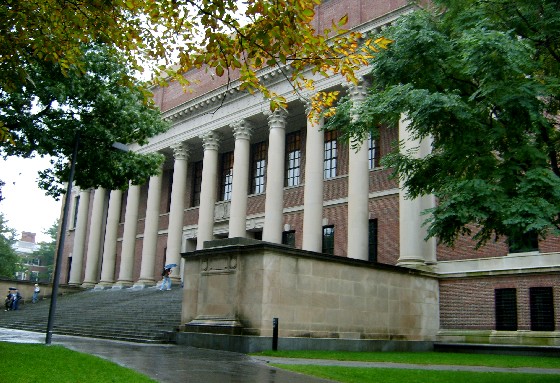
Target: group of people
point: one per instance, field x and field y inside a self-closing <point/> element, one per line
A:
<point x="12" y="299"/>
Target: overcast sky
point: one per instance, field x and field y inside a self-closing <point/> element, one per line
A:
<point x="25" y="206"/>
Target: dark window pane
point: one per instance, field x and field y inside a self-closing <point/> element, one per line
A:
<point x="328" y="239"/>
<point x="197" y="183"/>
<point x="542" y="309"/>
<point x="506" y="309"/>
<point x="523" y="242"/>
<point x="372" y="237"/>
<point x="289" y="238"/>
<point x="76" y="206"/>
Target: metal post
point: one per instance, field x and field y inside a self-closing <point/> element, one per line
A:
<point x="61" y="237"/>
<point x="274" y="334"/>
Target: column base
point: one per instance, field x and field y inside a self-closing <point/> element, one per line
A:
<point x="121" y="285"/>
<point x="88" y="285"/>
<point x="144" y="284"/>
<point x="103" y="286"/>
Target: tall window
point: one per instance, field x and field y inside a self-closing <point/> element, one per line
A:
<point x="76" y="206"/>
<point x="289" y="238"/>
<point x="542" y="308"/>
<point x="330" y="155"/>
<point x="373" y="153"/>
<point x="259" y="167"/>
<point x="293" y="158"/>
<point x="169" y="189"/>
<point x="328" y="240"/>
<point x="372" y="240"/>
<point x="197" y="183"/>
<point x="226" y="176"/>
<point x="506" y="309"/>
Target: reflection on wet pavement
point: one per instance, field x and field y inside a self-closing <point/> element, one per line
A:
<point x="170" y="363"/>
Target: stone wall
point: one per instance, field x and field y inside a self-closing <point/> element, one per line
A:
<point x="240" y="287"/>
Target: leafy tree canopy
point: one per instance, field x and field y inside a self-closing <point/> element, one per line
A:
<point x="222" y="36"/>
<point x="99" y="105"/>
<point x="481" y="78"/>
<point x="8" y="257"/>
<point x="46" y="251"/>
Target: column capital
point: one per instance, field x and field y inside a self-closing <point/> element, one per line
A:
<point x="357" y="92"/>
<point x="277" y="118"/>
<point x="180" y="151"/>
<point x="242" y="129"/>
<point x="211" y="140"/>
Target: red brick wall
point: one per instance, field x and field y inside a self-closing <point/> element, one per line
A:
<point x="359" y="11"/>
<point x="468" y="304"/>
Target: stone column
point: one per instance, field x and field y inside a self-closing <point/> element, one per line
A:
<point x="110" y="244"/>
<point x="129" y="238"/>
<point x="205" y="232"/>
<point x="274" y="203"/>
<point x="238" y="210"/>
<point x="414" y="250"/>
<point x="358" y="186"/>
<point x="177" y="208"/>
<point x="79" y="240"/>
<point x="94" y="241"/>
<point x="151" y="226"/>
<point x="313" y="188"/>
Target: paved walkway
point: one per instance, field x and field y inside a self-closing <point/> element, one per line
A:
<point x="181" y="364"/>
<point x="170" y="363"/>
<point x="432" y="367"/>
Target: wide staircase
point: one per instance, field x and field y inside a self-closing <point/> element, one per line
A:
<point x="137" y="315"/>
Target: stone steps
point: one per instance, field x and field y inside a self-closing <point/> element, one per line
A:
<point x="146" y="315"/>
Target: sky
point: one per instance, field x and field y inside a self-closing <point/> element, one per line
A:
<point x="25" y="206"/>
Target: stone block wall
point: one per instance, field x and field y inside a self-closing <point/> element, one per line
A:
<point x="312" y="295"/>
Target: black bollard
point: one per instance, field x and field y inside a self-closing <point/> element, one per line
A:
<point x="274" y="334"/>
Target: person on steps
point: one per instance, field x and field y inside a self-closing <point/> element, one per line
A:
<point x="36" y="291"/>
<point x="166" y="280"/>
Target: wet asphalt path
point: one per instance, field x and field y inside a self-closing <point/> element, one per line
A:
<point x="171" y="363"/>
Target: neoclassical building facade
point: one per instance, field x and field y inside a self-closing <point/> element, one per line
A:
<point x="235" y="169"/>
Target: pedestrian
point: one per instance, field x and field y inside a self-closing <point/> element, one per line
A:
<point x="8" y="301"/>
<point x="36" y="292"/>
<point x="16" y="297"/>
<point x="166" y="280"/>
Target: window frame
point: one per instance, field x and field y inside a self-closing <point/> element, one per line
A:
<point x="506" y="312"/>
<point x="197" y="184"/>
<point x="226" y="176"/>
<point x="374" y="156"/>
<point x="330" y="154"/>
<point x="293" y="159"/>
<point x="541" y="304"/>
<point x="327" y="243"/>
<point x="258" y="167"/>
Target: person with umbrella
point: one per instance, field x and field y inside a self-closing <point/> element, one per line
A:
<point x="166" y="283"/>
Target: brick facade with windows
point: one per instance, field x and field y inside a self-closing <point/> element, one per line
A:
<point x="469" y="277"/>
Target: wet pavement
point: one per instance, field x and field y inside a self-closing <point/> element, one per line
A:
<point x="170" y="363"/>
<point x="182" y="364"/>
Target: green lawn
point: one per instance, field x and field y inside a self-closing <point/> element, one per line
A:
<point x="386" y="375"/>
<point x="37" y="363"/>
<point x="490" y="360"/>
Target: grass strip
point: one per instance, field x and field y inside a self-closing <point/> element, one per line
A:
<point x="388" y="375"/>
<point x="443" y="358"/>
<point x="37" y="363"/>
